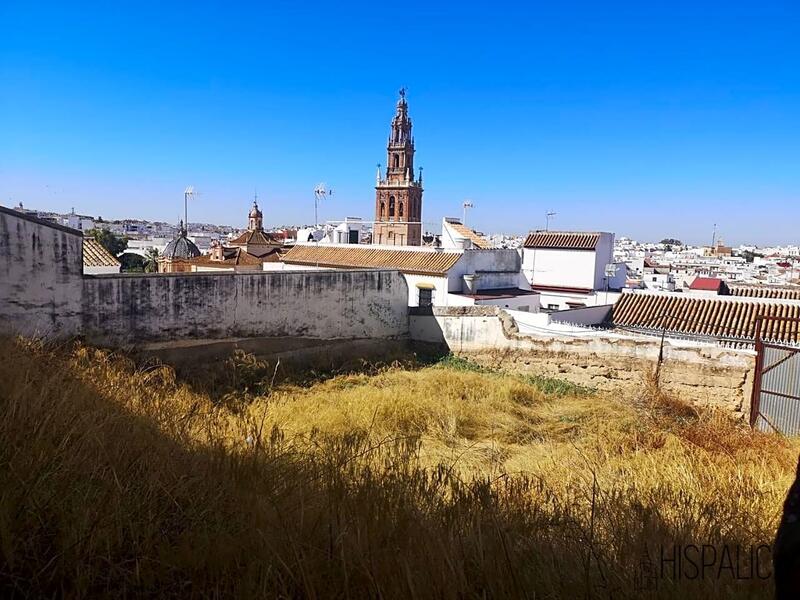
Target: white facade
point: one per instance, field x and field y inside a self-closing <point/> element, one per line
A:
<point x="572" y="268"/>
<point x="490" y="269"/>
<point x="105" y="270"/>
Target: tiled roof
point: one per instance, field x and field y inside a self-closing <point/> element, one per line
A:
<point x="95" y="254"/>
<point x="562" y="240"/>
<point x="763" y="291"/>
<point x="707" y="284"/>
<point x="354" y="257"/>
<point x="703" y="316"/>
<point x="233" y="257"/>
<point x="256" y="237"/>
<point x="464" y="231"/>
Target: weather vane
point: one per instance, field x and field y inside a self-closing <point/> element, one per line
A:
<point x="403" y="92"/>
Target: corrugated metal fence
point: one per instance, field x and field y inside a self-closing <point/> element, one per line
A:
<point x="776" y="389"/>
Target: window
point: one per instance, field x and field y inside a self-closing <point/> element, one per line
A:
<point x="383" y="209"/>
<point x="391" y="206"/>
<point x="396" y="161"/>
<point x="552" y="307"/>
<point x="426" y="297"/>
<point x="400" y="211"/>
<point x="655" y="278"/>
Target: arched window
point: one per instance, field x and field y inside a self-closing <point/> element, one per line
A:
<point x="396" y="161"/>
<point x="391" y="206"/>
<point x="383" y="209"/>
<point x="400" y="209"/>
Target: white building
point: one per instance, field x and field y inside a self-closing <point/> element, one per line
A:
<point x="458" y="236"/>
<point x="97" y="260"/>
<point x="435" y="276"/>
<point x="572" y="269"/>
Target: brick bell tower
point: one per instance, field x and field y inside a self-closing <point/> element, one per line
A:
<point x="398" y="195"/>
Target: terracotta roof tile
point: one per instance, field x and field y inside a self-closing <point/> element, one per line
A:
<point x="703" y="316"/>
<point x="355" y="257"/>
<point x="256" y="237"/>
<point x="95" y="254"/>
<point x="477" y="240"/>
<point x="763" y="291"/>
<point x="233" y="257"/>
<point x="562" y="240"/>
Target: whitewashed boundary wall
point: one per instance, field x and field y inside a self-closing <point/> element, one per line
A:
<point x="43" y="292"/>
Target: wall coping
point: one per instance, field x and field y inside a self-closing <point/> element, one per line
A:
<point x="328" y="272"/>
<point x="26" y="217"/>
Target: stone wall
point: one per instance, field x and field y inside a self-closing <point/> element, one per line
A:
<point x="43" y="292"/>
<point x="707" y="375"/>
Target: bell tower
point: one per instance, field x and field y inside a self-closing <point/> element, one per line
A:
<point x="398" y="193"/>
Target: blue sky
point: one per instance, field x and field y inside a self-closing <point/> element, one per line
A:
<point x="650" y="119"/>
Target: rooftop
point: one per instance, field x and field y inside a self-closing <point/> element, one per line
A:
<point x="95" y="255"/>
<point x="355" y="256"/>
<point x="764" y="291"/>
<point x="708" y="284"/>
<point x="498" y="294"/>
<point x="713" y="317"/>
<point x="470" y="234"/>
<point x="563" y="240"/>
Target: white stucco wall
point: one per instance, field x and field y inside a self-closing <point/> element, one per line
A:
<point x="559" y="268"/>
<point x="100" y="270"/>
<point x="570" y="268"/>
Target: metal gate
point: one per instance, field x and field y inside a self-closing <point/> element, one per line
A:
<point x="775" y="404"/>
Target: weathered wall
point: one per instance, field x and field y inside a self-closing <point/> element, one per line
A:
<point x="319" y="304"/>
<point x="43" y="292"/>
<point x="41" y="276"/>
<point x="707" y="375"/>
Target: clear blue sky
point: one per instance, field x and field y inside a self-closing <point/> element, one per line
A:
<point x="649" y="119"/>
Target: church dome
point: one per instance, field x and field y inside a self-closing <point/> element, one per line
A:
<point x="255" y="213"/>
<point x="181" y="247"/>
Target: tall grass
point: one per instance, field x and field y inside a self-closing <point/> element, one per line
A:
<point x="116" y="479"/>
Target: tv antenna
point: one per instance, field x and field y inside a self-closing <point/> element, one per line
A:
<point x="187" y="193"/>
<point x="548" y="216"/>
<point x="466" y="206"/>
<point x="320" y="193"/>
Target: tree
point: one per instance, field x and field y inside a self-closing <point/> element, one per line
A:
<point x="115" y="244"/>
<point x="151" y="261"/>
<point x="132" y="263"/>
<point x="671" y="242"/>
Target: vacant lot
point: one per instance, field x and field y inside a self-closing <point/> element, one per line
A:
<point x="438" y="480"/>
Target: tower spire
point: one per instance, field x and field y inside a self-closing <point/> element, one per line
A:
<point x="398" y="201"/>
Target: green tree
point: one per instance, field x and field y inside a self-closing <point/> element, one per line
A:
<point x="115" y="244"/>
<point x="151" y="261"/>
<point x="132" y="263"/>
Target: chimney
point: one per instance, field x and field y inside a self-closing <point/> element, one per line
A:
<point x="471" y="283"/>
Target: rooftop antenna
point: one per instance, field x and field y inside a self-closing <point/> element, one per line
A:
<point x="466" y="205"/>
<point x="714" y="236"/>
<point x="547" y="218"/>
<point x="187" y="193"/>
<point x="320" y="193"/>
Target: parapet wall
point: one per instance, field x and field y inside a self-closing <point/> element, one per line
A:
<point x="44" y="293"/>
<point x="707" y="375"/>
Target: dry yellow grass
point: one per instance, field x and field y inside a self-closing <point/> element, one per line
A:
<point x="442" y="481"/>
